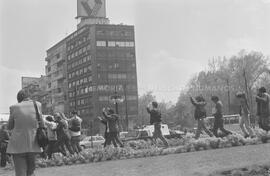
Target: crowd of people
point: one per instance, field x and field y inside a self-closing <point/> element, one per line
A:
<point x="263" y="113"/>
<point x="18" y="136"/>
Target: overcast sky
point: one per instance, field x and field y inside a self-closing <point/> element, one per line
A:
<point x="174" y="38"/>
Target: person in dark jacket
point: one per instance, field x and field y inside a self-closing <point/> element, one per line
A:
<point x="63" y="137"/>
<point x="106" y="135"/>
<point x="4" y="137"/>
<point x="200" y="115"/>
<point x="263" y="113"/>
<point x="155" y="119"/>
<point x="112" y="127"/>
<point x="218" y="123"/>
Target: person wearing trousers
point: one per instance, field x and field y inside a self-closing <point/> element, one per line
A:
<point x="155" y="119"/>
<point x="218" y="123"/>
<point x="263" y="112"/>
<point x="199" y="115"/>
<point x="23" y="125"/>
<point x="112" y="127"/>
<point x="4" y="137"/>
<point x="245" y="116"/>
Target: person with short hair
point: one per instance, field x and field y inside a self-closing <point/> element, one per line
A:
<point x="112" y="127"/>
<point x="218" y="123"/>
<point x="23" y="124"/>
<point x="51" y="126"/>
<point x="245" y="115"/>
<point x="199" y="115"/>
<point x="63" y="136"/>
<point x="75" y="131"/>
<point x="155" y="119"/>
<point x="263" y="111"/>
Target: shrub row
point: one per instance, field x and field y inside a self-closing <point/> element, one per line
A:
<point x="139" y="149"/>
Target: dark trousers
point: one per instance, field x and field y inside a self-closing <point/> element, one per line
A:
<point x="3" y="152"/>
<point x="3" y="159"/>
<point x="264" y="123"/>
<point x="218" y="124"/>
<point x="106" y="136"/>
<point x="51" y="148"/>
<point x="113" y="138"/>
<point x="75" y="143"/>
<point x="158" y="133"/>
<point x="201" y="127"/>
<point x="24" y="164"/>
<point x="63" y="144"/>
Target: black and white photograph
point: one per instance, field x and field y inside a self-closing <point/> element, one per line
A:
<point x="135" y="87"/>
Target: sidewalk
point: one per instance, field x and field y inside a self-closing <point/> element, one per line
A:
<point x="185" y="164"/>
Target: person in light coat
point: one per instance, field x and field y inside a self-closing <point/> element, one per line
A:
<point x="23" y="125"/>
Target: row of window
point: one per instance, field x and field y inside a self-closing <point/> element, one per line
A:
<point x="114" y="66"/>
<point x="115" y="55"/>
<point x="77" y="43"/>
<point x="80" y="82"/>
<point x="80" y="72"/>
<point x="75" y="34"/>
<point x="78" y="52"/>
<point x="115" y="33"/>
<point x="115" y="43"/>
<point x="101" y="88"/>
<point x="79" y="62"/>
<point x="81" y="102"/>
<point x="107" y="98"/>
<point x="117" y="76"/>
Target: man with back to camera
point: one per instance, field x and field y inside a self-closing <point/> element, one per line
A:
<point x="155" y="119"/>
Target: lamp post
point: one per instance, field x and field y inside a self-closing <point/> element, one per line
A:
<point x="115" y="98"/>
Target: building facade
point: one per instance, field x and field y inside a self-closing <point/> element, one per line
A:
<point x="56" y="71"/>
<point x="36" y="88"/>
<point x="101" y="62"/>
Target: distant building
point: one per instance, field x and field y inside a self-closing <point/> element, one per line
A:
<point x="36" y="88"/>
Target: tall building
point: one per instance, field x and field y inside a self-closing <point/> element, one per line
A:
<point x="91" y="66"/>
<point x="56" y="71"/>
<point x="102" y="63"/>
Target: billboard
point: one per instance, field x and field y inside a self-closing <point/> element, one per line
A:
<point x="91" y="8"/>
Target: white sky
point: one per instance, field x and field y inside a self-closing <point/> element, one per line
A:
<point x="174" y="38"/>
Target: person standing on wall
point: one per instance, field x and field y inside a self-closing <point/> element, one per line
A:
<point x="155" y="119"/>
<point x="199" y="115"/>
<point x="23" y="125"/>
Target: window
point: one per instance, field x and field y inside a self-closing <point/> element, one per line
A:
<point x="49" y="85"/>
<point x="111" y="43"/>
<point x="58" y="56"/>
<point x="49" y="69"/>
<point x="103" y="98"/>
<point x="101" y="43"/>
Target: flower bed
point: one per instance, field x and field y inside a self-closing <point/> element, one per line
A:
<point x="139" y="149"/>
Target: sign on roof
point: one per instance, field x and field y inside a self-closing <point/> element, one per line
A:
<point x="91" y="8"/>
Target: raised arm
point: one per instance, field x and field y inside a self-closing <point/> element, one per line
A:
<point x="196" y="103"/>
<point x="261" y="99"/>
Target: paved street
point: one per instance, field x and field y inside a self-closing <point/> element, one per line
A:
<point x="196" y="163"/>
